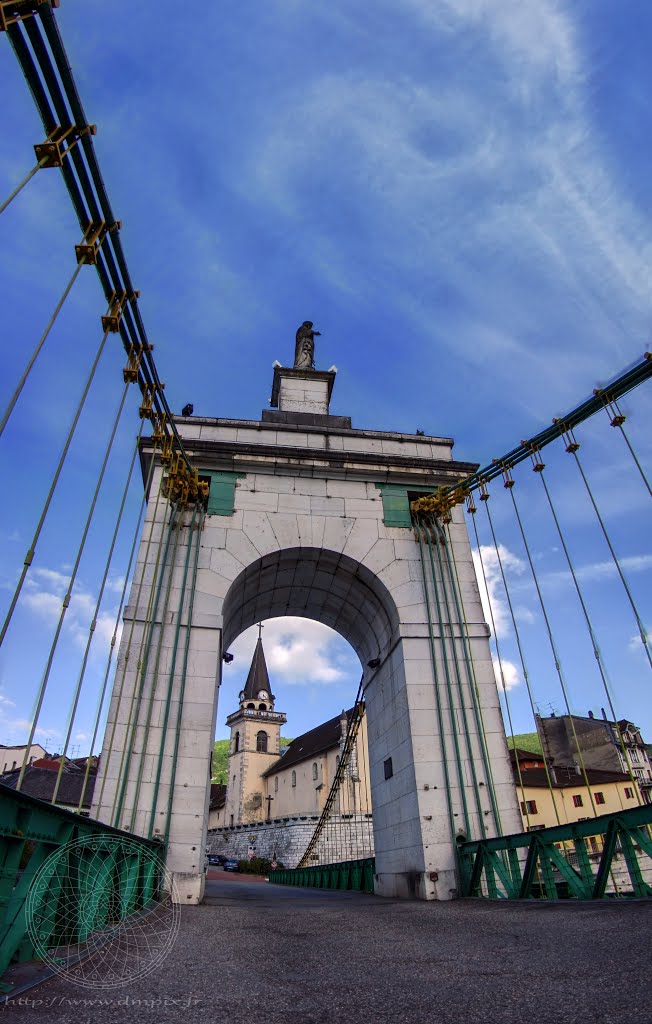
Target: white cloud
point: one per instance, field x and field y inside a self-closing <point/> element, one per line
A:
<point x="635" y="644"/>
<point x="506" y="672"/>
<point x="43" y="595"/>
<point x="596" y="572"/>
<point x="492" y="595"/>
<point x="298" y="651"/>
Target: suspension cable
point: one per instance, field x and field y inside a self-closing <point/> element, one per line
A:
<point x="173" y="664"/>
<point x="71" y="582"/>
<point x="26" y="372"/>
<point x="143" y="647"/>
<point x="96" y="611"/>
<point x="494" y="632"/>
<point x="32" y="549"/>
<point x="109" y="745"/>
<point x="112" y="645"/>
<point x="19" y="188"/>
<point x="538" y="468"/>
<point x="141" y="670"/>
<point x="433" y="659"/>
<point x="177" y="527"/>
<point x="182" y="686"/>
<point x="449" y="688"/>
<point x="571" y="448"/>
<point x="617" y="419"/>
<point x="437" y="541"/>
<point x="553" y="646"/>
<point x="471" y="676"/>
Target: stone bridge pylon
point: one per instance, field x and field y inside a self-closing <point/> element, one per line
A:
<point x="307" y="516"/>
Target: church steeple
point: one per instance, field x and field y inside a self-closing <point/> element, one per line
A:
<point x="257" y="686"/>
<point x="255" y="744"/>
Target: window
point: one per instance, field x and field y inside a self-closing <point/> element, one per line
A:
<point x="577" y="800"/>
<point x="251" y="707"/>
<point x="231" y="821"/>
<point x="261" y="742"/>
<point x="388" y="768"/>
<point x="528" y="807"/>
<point x="314" y="770"/>
<point x="262" y="707"/>
<point x="236" y="743"/>
<point x="234" y="780"/>
<point x="633" y="753"/>
<point x="276" y="783"/>
<point x="599" y="798"/>
<point x="629" y="793"/>
<point x="534" y="828"/>
<point x="294" y="778"/>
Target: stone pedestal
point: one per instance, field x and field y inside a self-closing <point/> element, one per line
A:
<point x="302" y="391"/>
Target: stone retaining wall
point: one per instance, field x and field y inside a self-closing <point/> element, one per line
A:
<point x="286" y="840"/>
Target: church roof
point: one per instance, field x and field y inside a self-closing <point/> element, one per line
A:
<point x="316" y="741"/>
<point x="258" y="678"/>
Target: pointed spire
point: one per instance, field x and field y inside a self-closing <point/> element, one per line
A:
<point x="258" y="678"/>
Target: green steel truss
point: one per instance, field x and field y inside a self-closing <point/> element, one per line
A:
<point x="356" y="875"/>
<point x="127" y="873"/>
<point x="601" y="857"/>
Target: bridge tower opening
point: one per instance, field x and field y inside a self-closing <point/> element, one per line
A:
<point x="308" y="516"/>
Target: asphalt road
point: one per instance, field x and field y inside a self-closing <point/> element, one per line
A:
<point x="264" y="954"/>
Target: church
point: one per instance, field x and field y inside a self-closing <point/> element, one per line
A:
<point x="275" y="795"/>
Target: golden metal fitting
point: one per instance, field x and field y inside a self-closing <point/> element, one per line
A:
<point x="572" y="445"/>
<point x="182" y="485"/>
<point x="145" y="411"/>
<point x="111" y="321"/>
<point x="130" y="372"/>
<point x="87" y="250"/>
<point x="535" y="455"/>
<point x="59" y="143"/>
<point x="12" y="11"/>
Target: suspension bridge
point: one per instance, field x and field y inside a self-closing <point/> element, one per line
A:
<point x="302" y="514"/>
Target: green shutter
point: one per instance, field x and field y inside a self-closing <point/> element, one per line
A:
<point x="221" y="497"/>
<point x="396" y="506"/>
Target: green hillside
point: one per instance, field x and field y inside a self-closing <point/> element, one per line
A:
<point x="221" y="758"/>
<point x="526" y="741"/>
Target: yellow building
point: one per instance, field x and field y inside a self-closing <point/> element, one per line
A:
<point x="560" y="794"/>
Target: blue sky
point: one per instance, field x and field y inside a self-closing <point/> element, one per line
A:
<point x="457" y="192"/>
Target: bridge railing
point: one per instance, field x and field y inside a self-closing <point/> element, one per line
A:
<point x="354" y="875"/>
<point x="101" y="878"/>
<point x="608" y="856"/>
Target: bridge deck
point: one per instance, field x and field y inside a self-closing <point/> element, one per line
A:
<point x="254" y="952"/>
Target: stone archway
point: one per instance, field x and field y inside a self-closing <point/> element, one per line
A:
<point x="307" y="516"/>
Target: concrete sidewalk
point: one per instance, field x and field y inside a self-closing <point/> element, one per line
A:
<point x="267" y="954"/>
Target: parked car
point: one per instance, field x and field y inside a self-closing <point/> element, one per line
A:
<point x="231" y="865"/>
<point x="216" y="858"/>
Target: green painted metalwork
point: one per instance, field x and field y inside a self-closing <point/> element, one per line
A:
<point x="556" y="863"/>
<point x="355" y="875"/>
<point x="221" y="496"/>
<point x="30" y="830"/>
<point x="396" y="505"/>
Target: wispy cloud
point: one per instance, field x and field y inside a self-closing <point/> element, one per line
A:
<point x="507" y="674"/>
<point x="492" y="590"/>
<point x="299" y="652"/>
<point x="43" y="595"/>
<point x="597" y="572"/>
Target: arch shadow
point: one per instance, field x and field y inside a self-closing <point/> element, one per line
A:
<point x="315" y="583"/>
